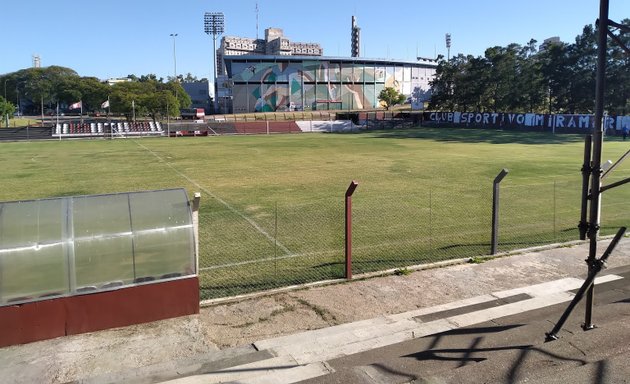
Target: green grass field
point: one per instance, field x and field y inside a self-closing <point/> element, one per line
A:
<point x="272" y="206"/>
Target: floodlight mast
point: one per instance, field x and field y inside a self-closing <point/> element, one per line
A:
<point x="214" y="24"/>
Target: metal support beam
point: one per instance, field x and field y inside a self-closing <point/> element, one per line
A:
<point x="596" y="172"/>
<point x="612" y="167"/>
<point x="597" y="266"/>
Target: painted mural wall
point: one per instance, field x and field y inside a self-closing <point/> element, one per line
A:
<point x="315" y="85"/>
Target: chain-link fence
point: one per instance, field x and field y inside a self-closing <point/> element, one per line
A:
<point x="280" y="244"/>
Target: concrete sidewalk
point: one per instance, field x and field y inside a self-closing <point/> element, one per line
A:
<point x="293" y="336"/>
<point x="306" y="355"/>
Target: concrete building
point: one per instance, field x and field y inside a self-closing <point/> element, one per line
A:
<point x="256" y="83"/>
<point x="274" y="43"/>
<point x="199" y="93"/>
<point x="549" y="42"/>
<point x="113" y="80"/>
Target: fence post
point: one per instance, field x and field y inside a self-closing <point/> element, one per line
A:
<point x="353" y="185"/>
<point x="195" y="219"/>
<point x="495" y="210"/>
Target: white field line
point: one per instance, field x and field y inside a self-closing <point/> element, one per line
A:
<point x="271" y="239"/>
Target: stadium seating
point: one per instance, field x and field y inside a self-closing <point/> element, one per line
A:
<point x="101" y="129"/>
<point x="328" y="126"/>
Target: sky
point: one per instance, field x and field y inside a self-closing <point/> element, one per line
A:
<point x="115" y="38"/>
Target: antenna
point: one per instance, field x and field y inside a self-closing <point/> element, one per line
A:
<point x="256" y="20"/>
<point x="37" y="61"/>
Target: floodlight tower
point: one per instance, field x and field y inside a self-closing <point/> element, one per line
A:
<point x="448" y="47"/>
<point x="356" y="38"/>
<point x="214" y="24"/>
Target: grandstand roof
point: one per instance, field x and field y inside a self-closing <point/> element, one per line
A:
<point x="355" y="60"/>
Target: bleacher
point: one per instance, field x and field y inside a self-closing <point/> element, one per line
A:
<point x="113" y="129"/>
<point x="328" y="126"/>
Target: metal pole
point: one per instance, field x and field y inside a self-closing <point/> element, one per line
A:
<point x="495" y="210"/>
<point x="6" y="101"/>
<point x="593" y="230"/>
<point x="195" y="218"/>
<point x="348" y="246"/>
<point x="586" y="172"/>
<point x="598" y="265"/>
<point x="174" y="35"/>
<point x="168" y="120"/>
<point x="214" y="73"/>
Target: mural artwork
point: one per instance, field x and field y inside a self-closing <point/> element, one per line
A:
<point x="314" y="85"/>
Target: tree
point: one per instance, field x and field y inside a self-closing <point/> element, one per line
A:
<point x="6" y="109"/>
<point x="583" y="67"/>
<point x="558" y="78"/>
<point x="148" y="97"/>
<point x="94" y="93"/>
<point x="554" y="61"/>
<point x="618" y="76"/>
<point x="390" y="97"/>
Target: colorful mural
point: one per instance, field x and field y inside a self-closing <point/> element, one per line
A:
<point x="262" y="84"/>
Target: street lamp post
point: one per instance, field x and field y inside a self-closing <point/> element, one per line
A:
<point x="175" y="79"/>
<point x="214" y="24"/>
<point x="174" y="35"/>
<point x="5" y="100"/>
<point x="17" y="100"/>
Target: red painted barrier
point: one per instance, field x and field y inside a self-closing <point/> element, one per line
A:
<point x="25" y="323"/>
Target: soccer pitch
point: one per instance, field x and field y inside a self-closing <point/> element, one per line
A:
<point x="272" y="205"/>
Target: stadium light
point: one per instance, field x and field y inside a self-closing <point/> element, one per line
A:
<point x="214" y="24"/>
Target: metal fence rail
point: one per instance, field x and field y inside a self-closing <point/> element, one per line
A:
<point x="265" y="247"/>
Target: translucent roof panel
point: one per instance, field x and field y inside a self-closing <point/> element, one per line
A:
<point x="162" y="227"/>
<point x="82" y="244"/>
<point x="32" y="257"/>
<point x="103" y="240"/>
